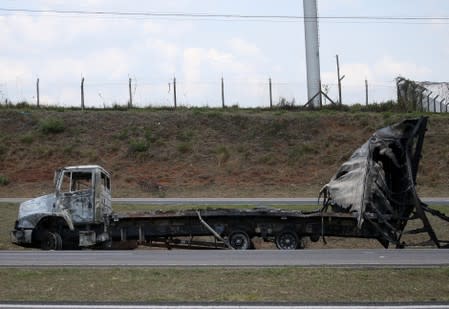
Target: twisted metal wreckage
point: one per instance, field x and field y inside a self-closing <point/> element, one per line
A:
<point x="378" y="181"/>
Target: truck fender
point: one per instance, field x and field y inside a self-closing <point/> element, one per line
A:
<point x="55" y="216"/>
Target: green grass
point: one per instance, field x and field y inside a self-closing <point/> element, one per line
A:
<point x="8" y="215"/>
<point x="51" y="126"/>
<point x="4" y="181"/>
<point x="138" y="146"/>
<point x="287" y="284"/>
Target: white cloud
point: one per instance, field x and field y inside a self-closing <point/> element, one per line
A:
<point x="13" y="69"/>
<point x="192" y="64"/>
<point x="243" y="47"/>
<point x="384" y="69"/>
<point x="336" y="5"/>
<point x="108" y="64"/>
<point x="392" y="68"/>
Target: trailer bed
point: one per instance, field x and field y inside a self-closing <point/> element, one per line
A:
<point x="286" y="228"/>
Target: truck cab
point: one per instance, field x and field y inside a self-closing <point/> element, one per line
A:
<point x="74" y="215"/>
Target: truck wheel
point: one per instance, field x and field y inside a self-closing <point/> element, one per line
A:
<point x="51" y="241"/>
<point x="239" y="240"/>
<point x="287" y="240"/>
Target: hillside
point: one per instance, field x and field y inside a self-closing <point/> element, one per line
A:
<point x="200" y="152"/>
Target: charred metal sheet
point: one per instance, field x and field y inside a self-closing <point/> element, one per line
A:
<point x="30" y="212"/>
<point x="377" y="184"/>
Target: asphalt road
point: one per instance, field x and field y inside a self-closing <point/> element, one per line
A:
<point x="220" y="306"/>
<point x="227" y="201"/>
<point x="228" y="258"/>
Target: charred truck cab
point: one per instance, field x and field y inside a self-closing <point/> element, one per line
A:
<point x="77" y="212"/>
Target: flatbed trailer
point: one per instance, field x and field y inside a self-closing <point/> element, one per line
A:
<point x="235" y="228"/>
<point x="371" y="196"/>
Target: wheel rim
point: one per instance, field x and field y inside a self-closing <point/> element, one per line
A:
<point x="52" y="241"/>
<point x="287" y="241"/>
<point x="239" y="241"/>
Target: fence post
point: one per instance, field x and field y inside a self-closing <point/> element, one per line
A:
<point x="428" y="102"/>
<point x="366" y="92"/>
<point x="37" y="93"/>
<point x="222" y="93"/>
<point x="82" y="93"/>
<point x="421" y="100"/>
<point x="130" y="102"/>
<point x="435" y="103"/>
<point x="339" y="81"/>
<point x="174" y="92"/>
<point x="271" y="93"/>
<point x="441" y="105"/>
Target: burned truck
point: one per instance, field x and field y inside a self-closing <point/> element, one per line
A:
<point x="371" y="196"/>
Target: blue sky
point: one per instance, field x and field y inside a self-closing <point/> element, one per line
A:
<point x="106" y="51"/>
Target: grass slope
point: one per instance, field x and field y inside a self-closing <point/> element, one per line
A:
<point x="200" y="152"/>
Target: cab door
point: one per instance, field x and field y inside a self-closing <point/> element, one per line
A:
<point x="103" y="202"/>
<point x="76" y="195"/>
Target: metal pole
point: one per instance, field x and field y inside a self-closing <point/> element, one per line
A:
<point x="271" y="94"/>
<point x="222" y="93"/>
<point x="312" y="52"/>
<point x="82" y="93"/>
<point x="428" y="102"/>
<point x="174" y="92"/>
<point x="421" y="96"/>
<point x="366" y="92"/>
<point x="37" y="92"/>
<point x="435" y="104"/>
<point x="339" y="80"/>
<point x="441" y="105"/>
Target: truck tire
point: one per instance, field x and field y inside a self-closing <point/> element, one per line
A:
<point x="287" y="240"/>
<point x="239" y="240"/>
<point x="51" y="241"/>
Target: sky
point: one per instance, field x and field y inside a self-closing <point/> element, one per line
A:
<point x="107" y="50"/>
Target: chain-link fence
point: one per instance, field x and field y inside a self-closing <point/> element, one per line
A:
<point x="246" y="93"/>
<point x="423" y="96"/>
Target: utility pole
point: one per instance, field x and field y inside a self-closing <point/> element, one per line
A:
<point x="339" y="80"/>
<point x="312" y="52"/>
<point x="130" y="103"/>
<point x="37" y="92"/>
<point x="366" y="92"/>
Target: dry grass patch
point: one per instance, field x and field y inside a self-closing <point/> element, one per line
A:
<point x="217" y="284"/>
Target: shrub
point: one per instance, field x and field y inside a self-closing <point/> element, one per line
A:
<point x="184" y="147"/>
<point x="27" y="138"/>
<point x="138" y="146"/>
<point x="4" y="181"/>
<point x="122" y="135"/>
<point x="185" y="136"/>
<point x="223" y="154"/>
<point x="3" y="150"/>
<point x="51" y="126"/>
